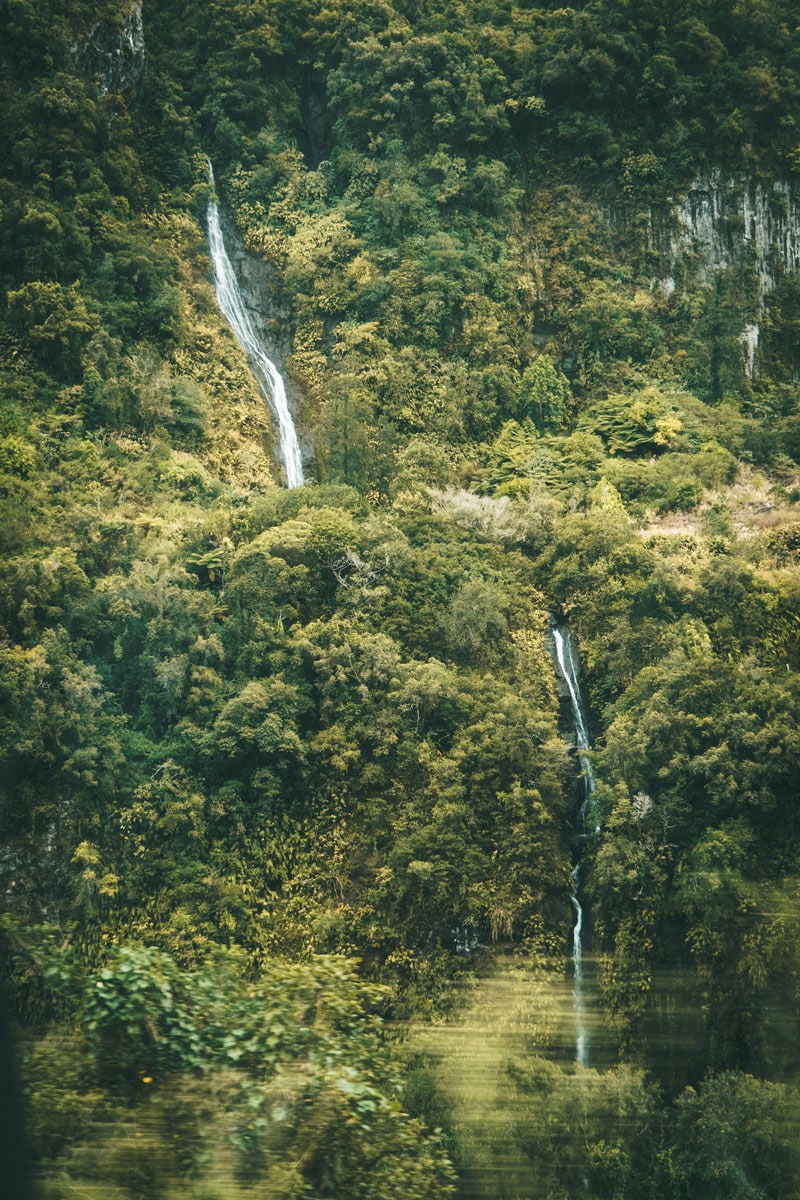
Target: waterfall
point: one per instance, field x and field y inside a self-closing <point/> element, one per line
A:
<point x="565" y="657"/>
<point x="581" y="1037"/>
<point x="268" y="377"/>
<point x="749" y="339"/>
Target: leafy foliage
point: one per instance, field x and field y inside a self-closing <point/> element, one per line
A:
<point x="282" y="1082"/>
<point x="266" y="753"/>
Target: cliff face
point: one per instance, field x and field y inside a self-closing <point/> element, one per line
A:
<point x="729" y="221"/>
<point x="271" y="319"/>
<point x="115" y="52"/>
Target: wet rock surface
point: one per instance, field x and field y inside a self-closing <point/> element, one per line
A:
<point x="114" y="52"/>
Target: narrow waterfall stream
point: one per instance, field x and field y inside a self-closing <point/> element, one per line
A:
<point x="270" y="381"/>
<point x="520" y="1060"/>
<point x="565" y="657"/>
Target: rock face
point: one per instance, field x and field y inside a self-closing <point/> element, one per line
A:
<point x="114" y="51"/>
<point x="724" y="222"/>
<point x="257" y="282"/>
<point x="272" y="321"/>
<point x="727" y="221"/>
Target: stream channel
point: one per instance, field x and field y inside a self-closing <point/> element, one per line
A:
<point x="516" y="1066"/>
<point x="568" y="667"/>
<point x="526" y="1071"/>
<point x="270" y="381"/>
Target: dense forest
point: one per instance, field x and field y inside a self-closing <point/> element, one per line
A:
<point x="289" y="797"/>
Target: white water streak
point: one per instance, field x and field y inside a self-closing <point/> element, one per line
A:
<point x="566" y="661"/>
<point x="267" y="375"/>
<point x="565" y="657"/>
<point x="581" y="1035"/>
<point x="749" y="339"/>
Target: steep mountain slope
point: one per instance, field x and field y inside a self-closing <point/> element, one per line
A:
<point x="281" y="765"/>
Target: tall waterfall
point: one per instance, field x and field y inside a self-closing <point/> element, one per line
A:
<point x="270" y="381"/>
<point x="565" y="657"/>
<point x="568" y="666"/>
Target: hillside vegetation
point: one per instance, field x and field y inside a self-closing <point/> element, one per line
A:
<point x="279" y="767"/>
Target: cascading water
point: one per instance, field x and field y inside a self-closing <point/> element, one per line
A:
<point x="565" y="657"/>
<point x="581" y="1041"/>
<point x="270" y="381"/>
<point x="749" y="339"/>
